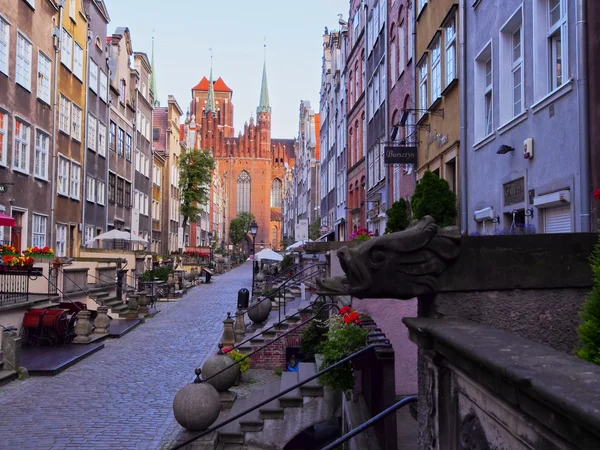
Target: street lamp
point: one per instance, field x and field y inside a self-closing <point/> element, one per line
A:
<point x="210" y="237"/>
<point x="253" y="232"/>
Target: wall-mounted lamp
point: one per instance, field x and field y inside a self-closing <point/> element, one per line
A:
<point x="503" y="149"/>
<point x="529" y="212"/>
<point x="496" y="219"/>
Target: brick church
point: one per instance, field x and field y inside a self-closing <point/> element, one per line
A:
<point x="251" y="166"/>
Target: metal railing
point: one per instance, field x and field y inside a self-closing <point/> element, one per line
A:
<point x="14" y="286"/>
<point x="276" y="396"/>
<point x="373" y="420"/>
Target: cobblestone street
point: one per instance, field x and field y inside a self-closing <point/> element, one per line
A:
<point x="121" y="397"/>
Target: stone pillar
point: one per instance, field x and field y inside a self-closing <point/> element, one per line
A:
<point x="228" y="337"/>
<point x="102" y="322"/>
<point x="11" y="349"/>
<point x="83" y="328"/>
<point x="120" y="275"/>
<point x="132" y="304"/>
<point x="143" y="304"/>
<point x="239" y="328"/>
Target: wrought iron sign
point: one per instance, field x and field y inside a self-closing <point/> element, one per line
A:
<point x="400" y="154"/>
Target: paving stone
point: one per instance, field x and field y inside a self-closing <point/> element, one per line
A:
<point x="121" y="397"/>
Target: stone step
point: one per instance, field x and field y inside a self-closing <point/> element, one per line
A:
<point x="118" y="307"/>
<point x="252" y="421"/>
<point x="101" y="294"/>
<point x="6" y="376"/>
<point x="111" y="301"/>
<point x="257" y="339"/>
<point x="311" y="388"/>
<point x="246" y="348"/>
<point x="232" y="432"/>
<point x="293" y="398"/>
<point x="273" y="409"/>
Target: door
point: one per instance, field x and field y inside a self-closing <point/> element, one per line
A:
<point x="16" y="238"/>
<point x="558" y="220"/>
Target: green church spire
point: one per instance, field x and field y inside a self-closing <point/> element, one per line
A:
<point x="210" y="102"/>
<point x="263" y="106"/>
<point x="153" y="79"/>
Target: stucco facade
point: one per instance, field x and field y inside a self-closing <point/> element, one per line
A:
<point x="26" y="113"/>
<point x="593" y="50"/>
<point x="523" y="161"/>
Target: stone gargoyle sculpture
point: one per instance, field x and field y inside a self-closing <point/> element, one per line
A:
<point x="401" y="265"/>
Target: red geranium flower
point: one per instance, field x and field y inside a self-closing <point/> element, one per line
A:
<point x="597" y="194"/>
<point x="345" y="310"/>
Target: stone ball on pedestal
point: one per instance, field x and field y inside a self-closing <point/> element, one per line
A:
<point x="226" y="378"/>
<point x="259" y="311"/>
<point x="197" y="405"/>
<point x="260" y="277"/>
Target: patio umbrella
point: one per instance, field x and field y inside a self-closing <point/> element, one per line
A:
<point x="269" y="254"/>
<point x="297" y="245"/>
<point x="7" y="221"/>
<point x="114" y="235"/>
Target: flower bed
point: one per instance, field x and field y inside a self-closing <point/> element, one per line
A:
<point x="10" y="263"/>
<point x="39" y="252"/>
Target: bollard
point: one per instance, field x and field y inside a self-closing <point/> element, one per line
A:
<point x="102" y="322"/>
<point x="83" y="328"/>
<point x="228" y="337"/>
<point x="243" y="298"/>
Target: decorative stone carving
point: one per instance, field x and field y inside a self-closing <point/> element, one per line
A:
<point x="401" y="265"/>
<point x="228" y="337"/>
<point x="143" y="304"/>
<point x="259" y="311"/>
<point x="197" y="405"/>
<point x="83" y="328"/>
<point x="221" y="371"/>
<point x="472" y="436"/>
<point x="239" y="327"/>
<point x="102" y="322"/>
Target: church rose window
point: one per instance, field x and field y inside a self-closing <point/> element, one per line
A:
<point x="243" y="192"/>
<point x="276" y="193"/>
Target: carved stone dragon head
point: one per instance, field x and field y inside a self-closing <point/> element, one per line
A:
<point x="399" y="265"/>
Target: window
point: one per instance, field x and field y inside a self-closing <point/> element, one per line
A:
<point x="75" y="180"/>
<point x="112" y="179"/>
<point x="436" y="71"/>
<point x="23" y="62"/>
<point x="243" y="192"/>
<point x="420" y="5"/>
<point x="517" y="73"/>
<point x="63" y="175"/>
<point x="128" y="147"/>
<point x="122" y="91"/>
<point x="112" y="143"/>
<point x="4" y="45"/>
<point x="72" y="8"/>
<point x="77" y="61"/>
<point x="93" y="76"/>
<point x="101" y="139"/>
<point x="276" y="193"/>
<point x="44" y="77"/>
<point x="60" y="249"/>
<point x="483" y="101"/>
<point x="38" y="235"/>
<point x="42" y="144"/>
<point x="3" y="137"/>
<point x="120" y="184"/>
<point x="127" y="198"/>
<point x="423" y="86"/>
<point x="401" y="49"/>
<point x="489" y="124"/>
<point x="557" y="36"/>
<point x="450" y="31"/>
<point x="92" y="132"/>
<point x="120" y="143"/>
<point x="76" y="129"/>
<point x="100" y="192"/>
<point x="91" y="189"/>
<point x="510" y="68"/>
<point x="89" y="235"/>
<point x="64" y="122"/>
<point x="103" y="86"/>
<point x="66" y="49"/>
<point x="21" y="149"/>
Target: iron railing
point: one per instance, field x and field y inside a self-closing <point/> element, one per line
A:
<point x="14" y="285"/>
<point x="276" y="396"/>
<point x="372" y="421"/>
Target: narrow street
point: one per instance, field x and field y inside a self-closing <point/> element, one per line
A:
<point x="121" y="397"/>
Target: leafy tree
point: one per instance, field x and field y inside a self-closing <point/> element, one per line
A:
<point x="239" y="227"/>
<point x="314" y="229"/>
<point x="398" y="216"/>
<point x="434" y="198"/>
<point x="589" y="330"/>
<point x="195" y="171"/>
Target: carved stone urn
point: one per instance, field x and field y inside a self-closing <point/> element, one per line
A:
<point x="143" y="304"/>
<point x="259" y="311"/>
<point x="83" y="328"/>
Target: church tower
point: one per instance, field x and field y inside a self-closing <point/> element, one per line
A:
<point x="263" y="118"/>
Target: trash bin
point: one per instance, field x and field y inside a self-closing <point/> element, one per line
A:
<point x="243" y="298"/>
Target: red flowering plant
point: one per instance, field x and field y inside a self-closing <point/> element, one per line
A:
<point x="17" y="261"/>
<point x="39" y="251"/>
<point x="244" y="364"/>
<point x="362" y="234"/>
<point x="9" y="250"/>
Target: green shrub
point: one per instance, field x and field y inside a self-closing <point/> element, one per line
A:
<point x="312" y="337"/>
<point x="398" y="217"/>
<point x="434" y="198"/>
<point x="589" y="330"/>
<point x="278" y="371"/>
<point x="244" y="364"/>
<point x="288" y="261"/>
<point x="161" y="274"/>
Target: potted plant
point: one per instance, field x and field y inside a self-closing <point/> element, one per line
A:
<point x="10" y="263"/>
<point x="244" y="363"/>
<point x="39" y="252"/>
<point x="362" y="234"/>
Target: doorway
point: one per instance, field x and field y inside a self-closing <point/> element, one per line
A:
<point x="16" y="234"/>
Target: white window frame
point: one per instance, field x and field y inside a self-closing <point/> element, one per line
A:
<point x="44" y="77"/>
<point x="103" y="89"/>
<point x="72" y="8"/>
<point x="77" y="60"/>
<point x="450" y="45"/>
<point x="100" y="192"/>
<point x="420" y="5"/>
<point x="4" y="45"/>
<point x="101" y="139"/>
<point x="39" y="226"/>
<point x="22" y="146"/>
<point x="64" y="123"/>
<point x="436" y="70"/>
<point x="89" y="234"/>
<point x="66" y="49"/>
<point x="4" y="136"/>
<point x="90" y="194"/>
<point x="76" y="128"/>
<point x="75" y="181"/>
<point x="93" y="82"/>
<point x="509" y="67"/>
<point x="482" y="90"/>
<point x="63" y="176"/>
<point x="42" y="150"/>
<point x="401" y="49"/>
<point x="422" y="71"/>
<point x="92" y="132"/>
<point x="24" y="61"/>
<point x="60" y="248"/>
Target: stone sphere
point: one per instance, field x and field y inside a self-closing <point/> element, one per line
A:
<point x="196" y="406"/>
<point x="225" y="379"/>
<point x="260" y="276"/>
<point x="260" y="313"/>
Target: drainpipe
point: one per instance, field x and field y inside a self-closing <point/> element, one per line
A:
<point x="134" y="149"/>
<point x="464" y="227"/>
<point x="57" y="43"/>
<point x="106" y="138"/>
<point x="582" y="94"/>
<point x="85" y="136"/>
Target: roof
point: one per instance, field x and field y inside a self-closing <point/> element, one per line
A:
<point x="218" y="86"/>
<point x="264" y="106"/>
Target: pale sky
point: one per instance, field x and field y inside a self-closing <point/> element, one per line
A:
<point x="185" y="30"/>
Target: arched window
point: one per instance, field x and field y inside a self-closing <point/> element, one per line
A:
<point x="276" y="193"/>
<point x="243" y="192"/>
